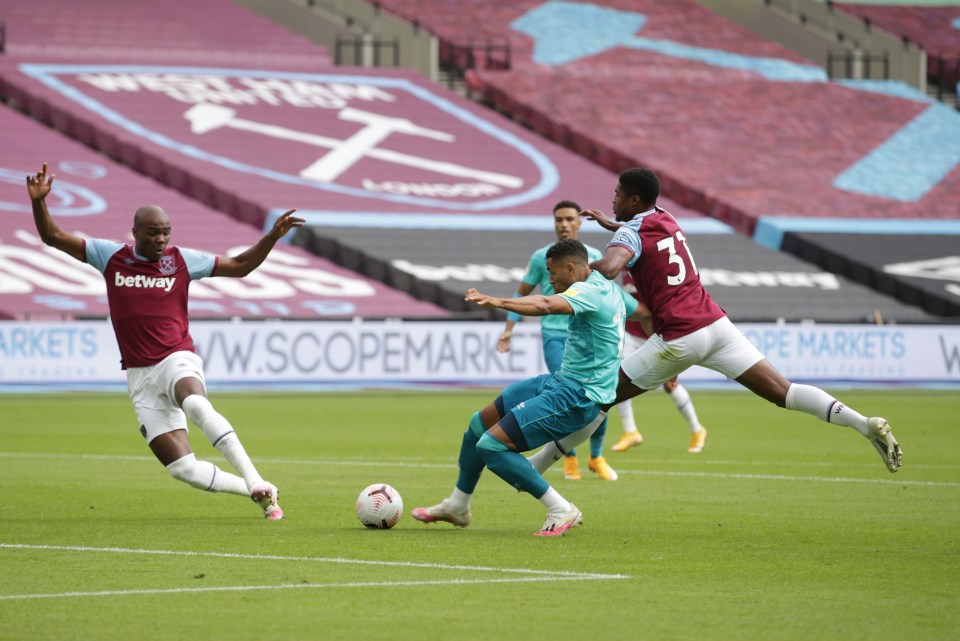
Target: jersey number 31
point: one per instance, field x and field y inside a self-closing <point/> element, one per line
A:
<point x="667" y="244"/>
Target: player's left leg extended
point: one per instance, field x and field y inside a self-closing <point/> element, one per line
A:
<point x="189" y="391"/>
<point x="740" y="360"/>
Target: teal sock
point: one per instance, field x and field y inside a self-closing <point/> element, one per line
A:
<point x="596" y="440"/>
<point x="470" y="462"/>
<point x="512" y="467"/>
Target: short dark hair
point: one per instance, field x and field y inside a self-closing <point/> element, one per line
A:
<point x="566" y="204"/>
<point x="641" y="182"/>
<point x="568" y="248"/>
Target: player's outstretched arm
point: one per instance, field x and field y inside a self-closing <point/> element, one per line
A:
<point x="526" y="305"/>
<point x="38" y="186"/>
<point x="603" y="221"/>
<point x="244" y="263"/>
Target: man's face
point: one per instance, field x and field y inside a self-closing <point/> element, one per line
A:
<point x="566" y="222"/>
<point x="151" y="234"/>
<point x="624" y="207"/>
<point x="561" y="274"/>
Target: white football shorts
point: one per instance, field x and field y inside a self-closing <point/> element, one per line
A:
<point x="151" y="390"/>
<point x="719" y="346"/>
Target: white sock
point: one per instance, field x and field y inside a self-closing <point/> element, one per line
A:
<point x="546" y="456"/>
<point x="204" y="475"/>
<point x="681" y="398"/>
<point x="625" y="412"/>
<point x="554" y="502"/>
<point x="813" y="400"/>
<point x="221" y="435"/>
<point x="459" y="501"/>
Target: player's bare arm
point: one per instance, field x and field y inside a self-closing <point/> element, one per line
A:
<point x="613" y="262"/>
<point x="244" y="263"/>
<point x="603" y="221"/>
<point x="503" y="342"/>
<point x="38" y="186"/>
<point x="526" y="306"/>
<point x="644" y="316"/>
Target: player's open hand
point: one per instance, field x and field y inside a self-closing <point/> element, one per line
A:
<point x="602" y="220"/>
<point x="39" y="185"/>
<point x="473" y="296"/>
<point x="285" y="223"/>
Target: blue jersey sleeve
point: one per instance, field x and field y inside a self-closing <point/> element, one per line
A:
<point x="199" y="264"/>
<point x="627" y="237"/>
<point x="99" y="252"/>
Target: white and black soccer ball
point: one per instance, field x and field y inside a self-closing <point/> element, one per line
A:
<point x="379" y="506"/>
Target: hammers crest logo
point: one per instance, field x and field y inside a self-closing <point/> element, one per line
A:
<point x="167" y="265"/>
<point x="358" y="136"/>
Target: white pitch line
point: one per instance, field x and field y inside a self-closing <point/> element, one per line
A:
<point x="295" y="586"/>
<point x="317" y="559"/>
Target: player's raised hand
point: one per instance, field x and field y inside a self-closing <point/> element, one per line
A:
<point x="39" y="185"/>
<point x="602" y="220"/>
<point x="473" y="296"/>
<point x="285" y="223"/>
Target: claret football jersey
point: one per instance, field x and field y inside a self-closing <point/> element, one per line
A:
<point x="665" y="274"/>
<point x="148" y="300"/>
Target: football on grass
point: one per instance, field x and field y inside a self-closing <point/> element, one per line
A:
<point x="379" y="506"/>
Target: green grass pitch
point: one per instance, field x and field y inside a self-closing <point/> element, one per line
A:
<point x="785" y="527"/>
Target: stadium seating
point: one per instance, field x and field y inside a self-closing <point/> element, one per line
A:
<point x="933" y="27"/>
<point x="738" y="128"/>
<point x="211" y="32"/>
<point x="96" y="197"/>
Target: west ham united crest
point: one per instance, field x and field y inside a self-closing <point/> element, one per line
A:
<point x="167" y="265"/>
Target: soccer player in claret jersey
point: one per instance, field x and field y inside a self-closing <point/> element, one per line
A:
<point x="690" y="327"/>
<point x="553" y="330"/>
<point x="636" y="337"/>
<point x="147" y="288"/>
<point x="552" y="410"/>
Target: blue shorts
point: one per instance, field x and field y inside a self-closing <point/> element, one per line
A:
<point x="543" y="409"/>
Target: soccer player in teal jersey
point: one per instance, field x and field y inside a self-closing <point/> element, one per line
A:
<point x="553" y="329"/>
<point x="551" y="409"/>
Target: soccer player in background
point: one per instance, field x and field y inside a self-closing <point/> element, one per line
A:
<point x="147" y="290"/>
<point x="689" y="327"/>
<point x="551" y="409"/>
<point x="636" y="337"/>
<point x="553" y="330"/>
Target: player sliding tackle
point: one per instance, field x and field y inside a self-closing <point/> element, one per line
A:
<point x="689" y="327"/>
<point x="550" y="408"/>
<point x="147" y="285"/>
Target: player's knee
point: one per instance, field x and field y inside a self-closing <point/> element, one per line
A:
<point x="198" y="474"/>
<point x="488" y="445"/>
<point x="197" y="408"/>
<point x="215" y="427"/>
